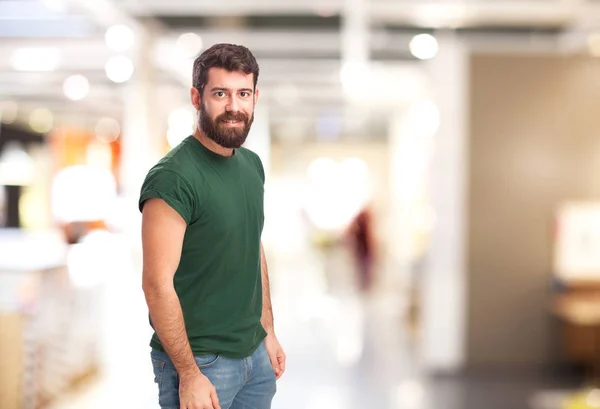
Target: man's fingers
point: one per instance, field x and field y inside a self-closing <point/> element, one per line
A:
<point x="215" y="399"/>
<point x="281" y="360"/>
<point x="279" y="367"/>
<point x="274" y="363"/>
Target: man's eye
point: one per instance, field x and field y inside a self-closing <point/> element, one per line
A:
<point x="220" y="94"/>
<point x="244" y="94"/>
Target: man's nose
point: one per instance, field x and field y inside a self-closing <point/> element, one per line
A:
<point x="233" y="105"/>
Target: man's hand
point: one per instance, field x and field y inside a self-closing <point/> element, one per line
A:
<point x="196" y="392"/>
<point x="276" y="355"/>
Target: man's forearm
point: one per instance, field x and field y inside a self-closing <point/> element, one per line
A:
<point x="167" y="320"/>
<point x="267" y="310"/>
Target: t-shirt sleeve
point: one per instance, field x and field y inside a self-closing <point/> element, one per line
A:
<point x="170" y="187"/>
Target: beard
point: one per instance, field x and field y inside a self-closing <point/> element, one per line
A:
<point x="227" y="137"/>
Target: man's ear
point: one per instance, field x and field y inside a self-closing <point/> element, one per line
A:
<point x="195" y="97"/>
<point x="256" y="92"/>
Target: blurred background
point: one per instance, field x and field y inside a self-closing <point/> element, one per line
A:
<point x="432" y="196"/>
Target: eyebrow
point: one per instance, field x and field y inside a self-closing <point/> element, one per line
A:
<point x="227" y="89"/>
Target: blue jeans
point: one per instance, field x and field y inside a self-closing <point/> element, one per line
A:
<point x="247" y="383"/>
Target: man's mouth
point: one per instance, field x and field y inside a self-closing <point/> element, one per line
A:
<point x="232" y="123"/>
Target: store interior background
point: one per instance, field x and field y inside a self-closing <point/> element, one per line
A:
<point x="467" y="130"/>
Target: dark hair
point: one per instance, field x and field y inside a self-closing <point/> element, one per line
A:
<point x="231" y="57"/>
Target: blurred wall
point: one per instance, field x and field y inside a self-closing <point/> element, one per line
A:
<point x="533" y="143"/>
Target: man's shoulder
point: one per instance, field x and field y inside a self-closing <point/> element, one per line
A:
<point x="179" y="161"/>
<point x="247" y="152"/>
<point x="171" y="180"/>
<point x="253" y="160"/>
<point x="250" y="155"/>
<point x="169" y="173"/>
<point x="165" y="168"/>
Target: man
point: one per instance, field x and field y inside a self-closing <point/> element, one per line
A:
<point x="205" y="276"/>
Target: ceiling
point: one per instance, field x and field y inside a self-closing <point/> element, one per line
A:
<point x="300" y="46"/>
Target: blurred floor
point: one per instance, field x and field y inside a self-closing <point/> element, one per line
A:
<point x="345" y="350"/>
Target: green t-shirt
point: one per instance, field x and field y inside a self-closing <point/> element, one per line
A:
<point x="218" y="280"/>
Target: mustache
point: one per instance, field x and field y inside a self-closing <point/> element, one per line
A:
<point x="233" y="116"/>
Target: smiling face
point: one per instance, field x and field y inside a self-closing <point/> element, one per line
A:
<point x="226" y="106"/>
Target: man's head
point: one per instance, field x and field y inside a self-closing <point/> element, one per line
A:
<point x="224" y="93"/>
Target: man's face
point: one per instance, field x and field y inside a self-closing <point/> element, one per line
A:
<point x="226" y="107"/>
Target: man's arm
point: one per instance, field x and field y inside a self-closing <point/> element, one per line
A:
<point x="163" y="230"/>
<point x="276" y="354"/>
<point x="267" y="310"/>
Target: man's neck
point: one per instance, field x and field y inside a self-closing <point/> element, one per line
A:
<point x="212" y="145"/>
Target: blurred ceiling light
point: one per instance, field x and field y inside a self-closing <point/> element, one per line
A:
<point x="322" y="169"/>
<point x="189" y="44"/>
<point x="107" y="130"/>
<point x="119" y="68"/>
<point x="593" y="43"/>
<point x="424" y="117"/>
<point x="16" y="166"/>
<point x="181" y="124"/>
<point x="82" y="193"/>
<point x="41" y="120"/>
<point x="8" y="111"/>
<point x="355" y="169"/>
<point x="174" y="137"/>
<point x="76" y="87"/>
<point x="35" y="59"/>
<point x="119" y="38"/>
<point x="424" y="46"/>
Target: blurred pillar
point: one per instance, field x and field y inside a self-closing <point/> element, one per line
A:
<point x="355" y="52"/>
<point x="443" y="285"/>
<point x="407" y="184"/>
<point x="143" y="142"/>
<point x="355" y="32"/>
